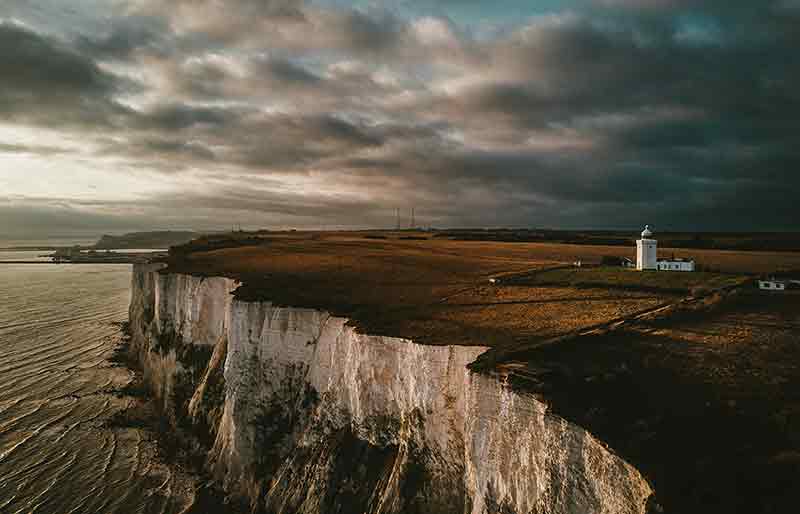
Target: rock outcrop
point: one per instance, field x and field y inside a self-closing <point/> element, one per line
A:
<point x="299" y="413"/>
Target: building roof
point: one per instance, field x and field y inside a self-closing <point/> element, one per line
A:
<point x="646" y="232"/>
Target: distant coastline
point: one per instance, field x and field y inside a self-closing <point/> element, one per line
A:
<point x="152" y="239"/>
<point x="157" y="239"/>
<point x="128" y="248"/>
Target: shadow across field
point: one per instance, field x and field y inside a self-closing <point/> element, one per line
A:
<point x="608" y="298"/>
<point x="707" y="407"/>
<point x="673" y="283"/>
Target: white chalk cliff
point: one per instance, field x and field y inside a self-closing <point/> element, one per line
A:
<point x="302" y="414"/>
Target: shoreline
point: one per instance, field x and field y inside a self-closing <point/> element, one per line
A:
<point x="177" y="448"/>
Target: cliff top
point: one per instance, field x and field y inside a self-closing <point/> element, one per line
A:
<point x="438" y="291"/>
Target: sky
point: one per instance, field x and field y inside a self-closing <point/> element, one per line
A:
<point x="323" y="114"/>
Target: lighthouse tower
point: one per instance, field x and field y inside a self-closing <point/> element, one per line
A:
<point x="646" y="251"/>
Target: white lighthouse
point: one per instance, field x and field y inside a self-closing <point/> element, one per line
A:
<point x="646" y="251"/>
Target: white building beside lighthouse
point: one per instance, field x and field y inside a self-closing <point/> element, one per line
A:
<point x="646" y="251"/>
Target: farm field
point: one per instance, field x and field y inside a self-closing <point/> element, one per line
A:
<point x="438" y="292"/>
<point x="528" y="313"/>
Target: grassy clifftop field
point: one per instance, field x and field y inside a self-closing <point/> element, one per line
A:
<point x="437" y="291"/>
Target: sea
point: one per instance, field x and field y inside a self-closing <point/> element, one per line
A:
<point x="61" y="392"/>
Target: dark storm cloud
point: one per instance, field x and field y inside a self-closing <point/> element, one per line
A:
<point x="184" y="137"/>
<point x="644" y="98"/>
<point x="45" y="81"/>
<point x="37" y="67"/>
<point x="376" y="31"/>
<point x="172" y="117"/>
<point x="125" y="35"/>
<point x="31" y="62"/>
<point x="574" y="68"/>
<point x="282" y="142"/>
<point x="287" y="71"/>
<point x="606" y="114"/>
<point x="168" y="154"/>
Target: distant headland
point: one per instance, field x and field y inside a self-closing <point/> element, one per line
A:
<point x="109" y="249"/>
<point x="160" y="239"/>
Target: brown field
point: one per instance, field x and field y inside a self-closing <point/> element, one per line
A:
<point x="535" y="313"/>
<point x="436" y="291"/>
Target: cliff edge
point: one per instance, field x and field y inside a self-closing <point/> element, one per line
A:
<point x="296" y="411"/>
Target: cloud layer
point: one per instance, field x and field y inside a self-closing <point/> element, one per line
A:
<point x="602" y="113"/>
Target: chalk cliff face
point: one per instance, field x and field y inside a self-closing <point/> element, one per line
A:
<point x="301" y="414"/>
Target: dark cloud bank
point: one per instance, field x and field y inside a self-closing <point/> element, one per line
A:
<point x="610" y="114"/>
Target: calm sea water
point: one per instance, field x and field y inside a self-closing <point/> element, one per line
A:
<point x="58" y="331"/>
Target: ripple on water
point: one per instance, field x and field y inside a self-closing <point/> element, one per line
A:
<point x="57" y="454"/>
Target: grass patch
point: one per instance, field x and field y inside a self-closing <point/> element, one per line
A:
<point x="621" y="278"/>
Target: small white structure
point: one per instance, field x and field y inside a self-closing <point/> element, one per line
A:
<point x="646" y="250"/>
<point x="772" y="285"/>
<point x="675" y="264"/>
